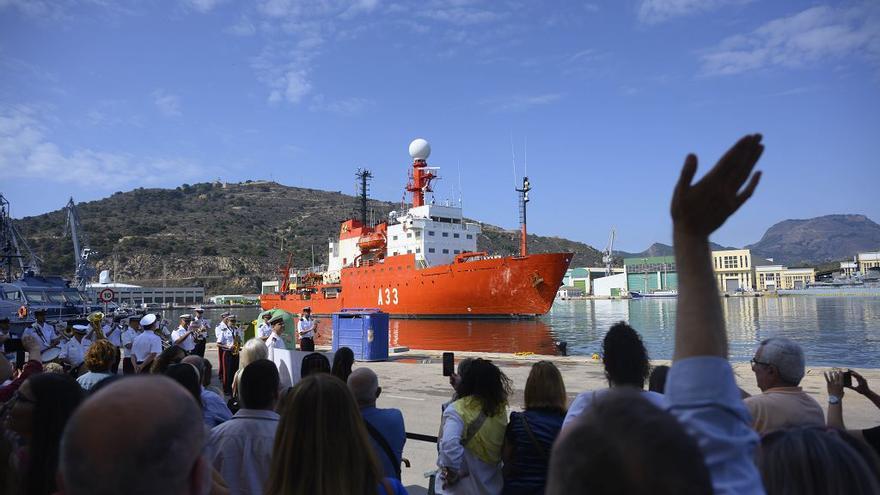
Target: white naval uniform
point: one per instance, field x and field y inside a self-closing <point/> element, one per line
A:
<point x="145" y="344"/>
<point x="275" y="342"/>
<point x="115" y="337"/>
<point x="48" y="335"/>
<point x="264" y="330"/>
<point x="306" y="328"/>
<point x="224" y="335"/>
<point x="188" y="343"/>
<point x="75" y="351"/>
<point x="127" y="339"/>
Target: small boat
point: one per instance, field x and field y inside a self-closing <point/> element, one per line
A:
<point x="656" y="293"/>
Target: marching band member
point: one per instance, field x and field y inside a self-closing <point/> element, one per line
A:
<point x="73" y="352"/>
<point x="147" y="345"/>
<point x="42" y="331"/>
<point x="275" y="340"/>
<point x="264" y="330"/>
<point x="202" y="335"/>
<point x="131" y="331"/>
<point x="225" y="341"/>
<point x="113" y="333"/>
<point x="183" y="336"/>
<point x="306" y="327"/>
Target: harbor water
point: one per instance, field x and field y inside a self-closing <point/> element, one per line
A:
<point x="834" y="331"/>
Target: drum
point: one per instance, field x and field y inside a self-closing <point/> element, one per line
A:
<point x="50" y="354"/>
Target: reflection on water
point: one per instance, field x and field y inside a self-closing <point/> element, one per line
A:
<point x="842" y="331"/>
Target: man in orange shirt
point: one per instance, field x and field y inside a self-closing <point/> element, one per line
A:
<point x="779" y="367"/>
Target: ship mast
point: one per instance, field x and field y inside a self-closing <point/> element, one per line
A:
<point x="13" y="245"/>
<point x="363" y="176"/>
<point x="523" y="200"/>
<point x="422" y="174"/>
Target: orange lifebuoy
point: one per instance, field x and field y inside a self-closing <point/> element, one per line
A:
<point x="22" y="312"/>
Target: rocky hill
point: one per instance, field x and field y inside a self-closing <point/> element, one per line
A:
<point x="226" y="237"/>
<point x="817" y="240"/>
<point x="660" y="249"/>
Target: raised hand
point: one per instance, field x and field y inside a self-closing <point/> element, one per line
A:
<point x="861" y="385"/>
<point x="699" y="209"/>
<point x="834" y="381"/>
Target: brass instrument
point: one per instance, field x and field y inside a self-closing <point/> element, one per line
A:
<point x="95" y="320"/>
<point x="236" y="341"/>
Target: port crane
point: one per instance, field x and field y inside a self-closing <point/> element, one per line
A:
<point x="83" y="271"/>
<point x="608" y="254"/>
<point x="13" y="246"/>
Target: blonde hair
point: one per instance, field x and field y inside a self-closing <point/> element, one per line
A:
<point x="322" y="446"/>
<point x="252" y="350"/>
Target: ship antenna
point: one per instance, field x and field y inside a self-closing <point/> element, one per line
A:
<point x="513" y="156"/>
<point x="459" y="182"/>
<point x="526" y="156"/>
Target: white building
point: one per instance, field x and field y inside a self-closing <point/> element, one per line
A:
<point x="613" y="286"/>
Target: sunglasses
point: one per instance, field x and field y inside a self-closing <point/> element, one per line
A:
<point x="755" y="361"/>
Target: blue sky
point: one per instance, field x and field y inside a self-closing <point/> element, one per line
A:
<point x="99" y="96"/>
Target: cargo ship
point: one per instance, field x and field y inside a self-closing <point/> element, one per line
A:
<point x="423" y="263"/>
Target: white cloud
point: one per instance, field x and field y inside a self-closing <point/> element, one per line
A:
<point x="345" y="106"/>
<point x="244" y="27"/>
<point x="803" y="39"/>
<point x="168" y="104"/>
<point x="38" y="9"/>
<point x="292" y="87"/>
<point x="202" y="6"/>
<point x="26" y="152"/>
<point x="518" y="103"/>
<point x="657" y="11"/>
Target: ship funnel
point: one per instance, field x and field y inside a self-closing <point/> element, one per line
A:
<point x="104" y="277"/>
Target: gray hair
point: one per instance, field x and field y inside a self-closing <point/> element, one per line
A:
<point x="788" y="357"/>
<point x="814" y="460"/>
<point x="363" y="384"/>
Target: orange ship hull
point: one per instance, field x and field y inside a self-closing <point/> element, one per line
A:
<point x="487" y="287"/>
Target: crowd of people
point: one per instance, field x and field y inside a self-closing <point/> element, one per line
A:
<point x="166" y="429"/>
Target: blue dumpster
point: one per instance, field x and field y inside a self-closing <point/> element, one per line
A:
<point x="364" y="331"/>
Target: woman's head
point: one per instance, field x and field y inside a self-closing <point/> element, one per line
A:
<point x="43" y="404"/>
<point x="625" y="357"/>
<point x="545" y="388"/>
<point x="342" y="363"/>
<point x="100" y="356"/>
<point x="253" y="350"/>
<point x="815" y="460"/>
<point x="482" y="379"/>
<point x="322" y="446"/>
<point x="169" y="356"/>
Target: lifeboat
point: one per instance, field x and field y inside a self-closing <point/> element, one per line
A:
<point x="374" y="241"/>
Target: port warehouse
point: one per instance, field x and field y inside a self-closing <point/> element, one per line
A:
<point x="136" y="295"/>
<point x="735" y="270"/>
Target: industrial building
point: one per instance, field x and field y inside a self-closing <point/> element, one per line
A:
<point x="775" y="277"/>
<point x="583" y="277"/>
<point x="649" y="274"/>
<point x="136" y="296"/>
<point x="867" y="261"/>
<point x="735" y="269"/>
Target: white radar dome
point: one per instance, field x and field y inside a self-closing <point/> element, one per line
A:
<point x="419" y="149"/>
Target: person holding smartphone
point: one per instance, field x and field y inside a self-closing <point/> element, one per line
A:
<point x="837" y="381"/>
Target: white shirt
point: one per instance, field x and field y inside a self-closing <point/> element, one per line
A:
<point x="75" y="351"/>
<point x="583" y="401"/>
<point x="264" y="330"/>
<point x="188" y="343"/>
<point x="127" y="337"/>
<point x="145" y="344"/>
<point x="275" y="342"/>
<point x="306" y="328"/>
<point x="113" y="334"/>
<point x="223" y="334"/>
<point x="241" y="450"/>
<point x="47" y="330"/>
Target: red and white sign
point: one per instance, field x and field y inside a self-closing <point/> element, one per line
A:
<point x="106" y="295"/>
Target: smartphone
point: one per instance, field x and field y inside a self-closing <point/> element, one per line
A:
<point x="847" y="378"/>
<point x="448" y="363"/>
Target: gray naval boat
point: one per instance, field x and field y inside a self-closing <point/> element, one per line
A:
<point x="23" y="290"/>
